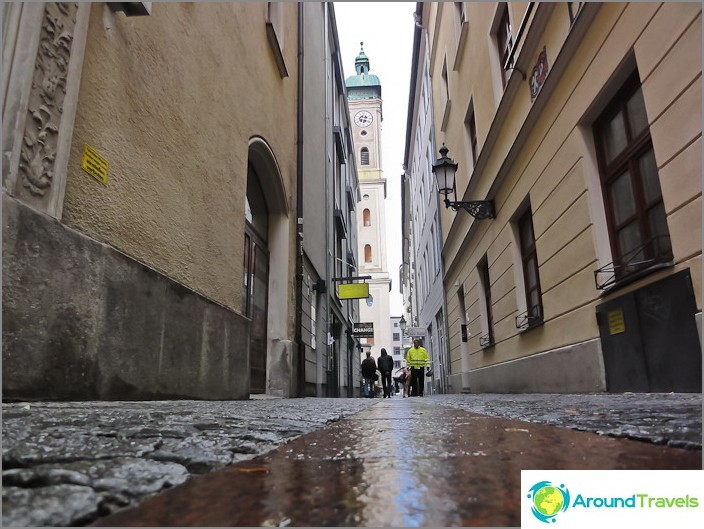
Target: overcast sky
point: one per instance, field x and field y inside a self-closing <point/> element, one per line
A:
<point x="386" y="28"/>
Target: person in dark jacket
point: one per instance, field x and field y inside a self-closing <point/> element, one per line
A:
<point x="386" y="366"/>
<point x="368" y="373"/>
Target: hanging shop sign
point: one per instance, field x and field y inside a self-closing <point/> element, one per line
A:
<point x="416" y="332"/>
<point x="353" y="290"/>
<point x="363" y="330"/>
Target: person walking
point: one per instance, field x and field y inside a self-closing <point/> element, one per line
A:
<point x="386" y="366"/>
<point x="417" y="358"/>
<point x="369" y="373"/>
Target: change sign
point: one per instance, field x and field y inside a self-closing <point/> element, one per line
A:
<point x="363" y="330"/>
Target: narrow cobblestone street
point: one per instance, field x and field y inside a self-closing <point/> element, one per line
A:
<point x="438" y="460"/>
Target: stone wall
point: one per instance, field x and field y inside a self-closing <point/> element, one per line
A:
<point x="84" y="321"/>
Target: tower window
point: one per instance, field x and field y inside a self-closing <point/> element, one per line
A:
<point x="367" y="253"/>
<point x="366" y="215"/>
<point x="364" y="156"/>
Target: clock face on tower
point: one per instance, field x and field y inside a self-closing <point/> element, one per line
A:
<point x="363" y="118"/>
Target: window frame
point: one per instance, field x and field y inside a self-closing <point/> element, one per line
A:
<point x="275" y="25"/>
<point x="628" y="161"/>
<point x="470" y="124"/>
<point x="461" y="16"/>
<point x="364" y="160"/>
<point x="504" y="43"/>
<point x="485" y="281"/>
<point x="528" y="252"/>
<point x="445" y="93"/>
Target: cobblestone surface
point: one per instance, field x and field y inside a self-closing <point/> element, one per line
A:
<point x="674" y="419"/>
<point x="72" y="463"/>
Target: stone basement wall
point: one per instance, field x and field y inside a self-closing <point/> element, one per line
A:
<point x="82" y="321"/>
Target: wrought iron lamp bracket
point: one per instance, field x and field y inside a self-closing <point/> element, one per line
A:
<point x="479" y="209"/>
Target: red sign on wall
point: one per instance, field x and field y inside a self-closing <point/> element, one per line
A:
<point x="539" y="74"/>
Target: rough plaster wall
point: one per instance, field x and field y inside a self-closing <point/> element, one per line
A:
<point x="171" y="101"/>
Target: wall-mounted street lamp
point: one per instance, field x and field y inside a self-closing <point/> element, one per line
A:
<point x="444" y="170"/>
<point x="402" y="325"/>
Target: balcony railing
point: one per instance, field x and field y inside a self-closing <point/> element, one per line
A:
<point x="635" y="264"/>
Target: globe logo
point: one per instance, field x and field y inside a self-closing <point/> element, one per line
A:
<point x="548" y="500"/>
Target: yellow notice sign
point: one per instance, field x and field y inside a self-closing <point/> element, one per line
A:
<point x="616" y="322"/>
<point x="353" y="291"/>
<point x="95" y="165"/>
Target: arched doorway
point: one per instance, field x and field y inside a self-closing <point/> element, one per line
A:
<point x="255" y="293"/>
<point x="266" y="272"/>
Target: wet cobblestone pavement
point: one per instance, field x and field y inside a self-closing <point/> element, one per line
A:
<point x="76" y="463"/>
<point x="672" y="419"/>
<point x="71" y="463"/>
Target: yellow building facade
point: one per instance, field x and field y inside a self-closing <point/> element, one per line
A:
<point x="166" y="268"/>
<point x="582" y="123"/>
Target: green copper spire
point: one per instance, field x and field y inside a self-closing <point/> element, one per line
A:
<point x="363" y="85"/>
<point x="361" y="62"/>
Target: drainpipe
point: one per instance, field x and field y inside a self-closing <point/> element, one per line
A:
<point x="328" y="213"/>
<point x="300" y="347"/>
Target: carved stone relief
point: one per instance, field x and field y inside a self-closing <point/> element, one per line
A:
<point x="39" y="145"/>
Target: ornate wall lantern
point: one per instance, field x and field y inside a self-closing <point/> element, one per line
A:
<point x="444" y="170"/>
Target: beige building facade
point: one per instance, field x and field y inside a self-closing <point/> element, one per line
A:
<point x="133" y="271"/>
<point x="581" y="122"/>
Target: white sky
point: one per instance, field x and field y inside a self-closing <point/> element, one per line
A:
<point x="386" y="28"/>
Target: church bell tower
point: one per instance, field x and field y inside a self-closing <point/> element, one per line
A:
<point x="364" y="101"/>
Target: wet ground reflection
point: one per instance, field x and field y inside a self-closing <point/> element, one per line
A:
<point x="404" y="462"/>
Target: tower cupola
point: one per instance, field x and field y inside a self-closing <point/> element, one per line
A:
<point x="363" y="85"/>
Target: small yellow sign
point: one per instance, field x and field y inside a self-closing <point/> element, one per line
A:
<point x="617" y="324"/>
<point x="95" y="165"/>
<point x="353" y="291"/>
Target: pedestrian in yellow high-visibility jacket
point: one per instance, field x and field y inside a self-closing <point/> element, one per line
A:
<point x="417" y="358"/>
